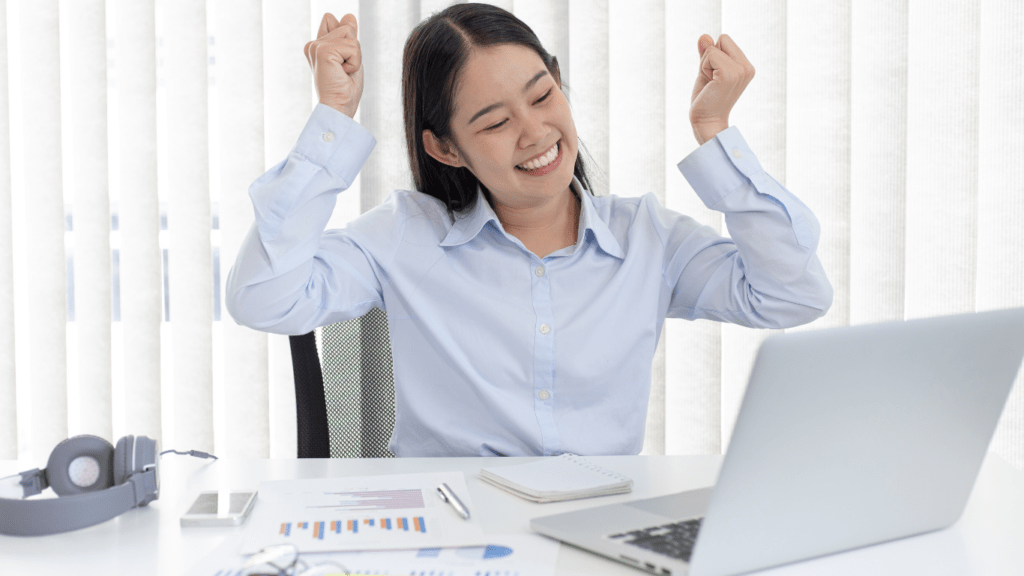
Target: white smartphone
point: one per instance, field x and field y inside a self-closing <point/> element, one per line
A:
<point x="219" y="508"/>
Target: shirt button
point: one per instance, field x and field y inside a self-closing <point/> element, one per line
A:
<point x="539" y="271"/>
<point x="328" y="136"/>
<point x="543" y="395"/>
<point x="736" y="152"/>
<point x="544" y="328"/>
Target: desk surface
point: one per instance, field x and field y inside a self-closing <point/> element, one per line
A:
<point x="986" y="539"/>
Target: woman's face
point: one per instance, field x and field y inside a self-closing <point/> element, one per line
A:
<point x="509" y="111"/>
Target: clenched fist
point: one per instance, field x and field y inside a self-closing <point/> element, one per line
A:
<point x="337" y="64"/>
<point x="724" y="74"/>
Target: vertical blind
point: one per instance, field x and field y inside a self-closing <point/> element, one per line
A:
<point x="130" y="131"/>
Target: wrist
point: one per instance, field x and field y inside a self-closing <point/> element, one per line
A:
<point x="705" y="132"/>
<point x="346" y="109"/>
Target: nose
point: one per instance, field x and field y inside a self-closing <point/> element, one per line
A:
<point x="534" y="130"/>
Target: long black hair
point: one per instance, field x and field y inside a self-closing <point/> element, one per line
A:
<point x="435" y="54"/>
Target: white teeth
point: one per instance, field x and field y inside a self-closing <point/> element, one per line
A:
<point x="543" y="160"/>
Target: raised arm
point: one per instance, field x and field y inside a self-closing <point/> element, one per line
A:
<point x="287" y="267"/>
<point x="767" y="275"/>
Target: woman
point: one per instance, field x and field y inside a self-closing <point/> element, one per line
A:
<point x="523" y="311"/>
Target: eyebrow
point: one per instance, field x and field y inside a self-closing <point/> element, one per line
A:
<point x="496" y="105"/>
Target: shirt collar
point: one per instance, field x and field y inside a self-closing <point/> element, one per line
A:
<point x="468" y="226"/>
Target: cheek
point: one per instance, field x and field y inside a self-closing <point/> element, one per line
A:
<point x="564" y="115"/>
<point x="491" y="154"/>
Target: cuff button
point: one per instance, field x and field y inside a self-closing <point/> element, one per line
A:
<point x="328" y="136"/>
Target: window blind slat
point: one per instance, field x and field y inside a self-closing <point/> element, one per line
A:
<point x="878" y="149"/>
<point x="137" y="389"/>
<point x="8" y="395"/>
<point x="240" y="91"/>
<point x="288" y="93"/>
<point x="181" y="25"/>
<point x="942" y="159"/>
<point x="46" y="296"/>
<point x="89" y="184"/>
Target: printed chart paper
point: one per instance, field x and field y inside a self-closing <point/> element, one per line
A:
<point x="399" y="511"/>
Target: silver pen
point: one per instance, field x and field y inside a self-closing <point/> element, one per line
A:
<point x="446" y="494"/>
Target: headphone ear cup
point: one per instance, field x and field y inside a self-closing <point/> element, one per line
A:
<point x="80" y="464"/>
<point x="123" y="459"/>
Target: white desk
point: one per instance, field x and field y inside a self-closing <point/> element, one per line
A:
<point x="986" y="540"/>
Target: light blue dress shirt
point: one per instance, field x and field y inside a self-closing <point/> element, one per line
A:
<point x="497" y="351"/>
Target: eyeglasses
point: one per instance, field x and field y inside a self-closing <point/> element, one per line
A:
<point x="283" y="560"/>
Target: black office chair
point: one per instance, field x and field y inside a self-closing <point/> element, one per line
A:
<point x="345" y="400"/>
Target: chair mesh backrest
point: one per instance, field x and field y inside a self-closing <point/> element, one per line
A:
<point x="358" y="389"/>
<point x="359" y="386"/>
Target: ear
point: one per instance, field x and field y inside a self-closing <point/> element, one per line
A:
<point x="439" y="150"/>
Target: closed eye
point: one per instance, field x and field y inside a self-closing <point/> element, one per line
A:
<point x="539" y="100"/>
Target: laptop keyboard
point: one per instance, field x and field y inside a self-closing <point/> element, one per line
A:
<point x="675" y="540"/>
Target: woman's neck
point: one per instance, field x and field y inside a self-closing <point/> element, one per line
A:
<point x="545" y="227"/>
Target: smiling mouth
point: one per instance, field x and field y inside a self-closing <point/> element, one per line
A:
<point x="542" y="161"/>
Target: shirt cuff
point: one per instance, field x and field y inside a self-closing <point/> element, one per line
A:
<point x="336" y="142"/>
<point x="718" y="166"/>
<point x="721" y="165"/>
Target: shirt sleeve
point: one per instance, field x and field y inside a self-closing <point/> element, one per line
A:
<point x="767" y="275"/>
<point x="290" y="276"/>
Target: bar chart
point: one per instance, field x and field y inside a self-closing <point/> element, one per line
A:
<point x="321" y="529"/>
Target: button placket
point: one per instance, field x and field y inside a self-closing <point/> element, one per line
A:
<point x="544" y="357"/>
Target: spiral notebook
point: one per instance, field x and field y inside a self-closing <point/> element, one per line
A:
<point x="565" y="477"/>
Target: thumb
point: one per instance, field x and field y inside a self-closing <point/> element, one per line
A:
<point x="703" y="43"/>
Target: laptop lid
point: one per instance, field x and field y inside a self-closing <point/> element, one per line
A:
<point x="852" y="436"/>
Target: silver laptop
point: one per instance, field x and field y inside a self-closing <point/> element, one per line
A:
<point x="846" y="437"/>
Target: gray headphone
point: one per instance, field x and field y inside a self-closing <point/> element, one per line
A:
<point x="94" y="481"/>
